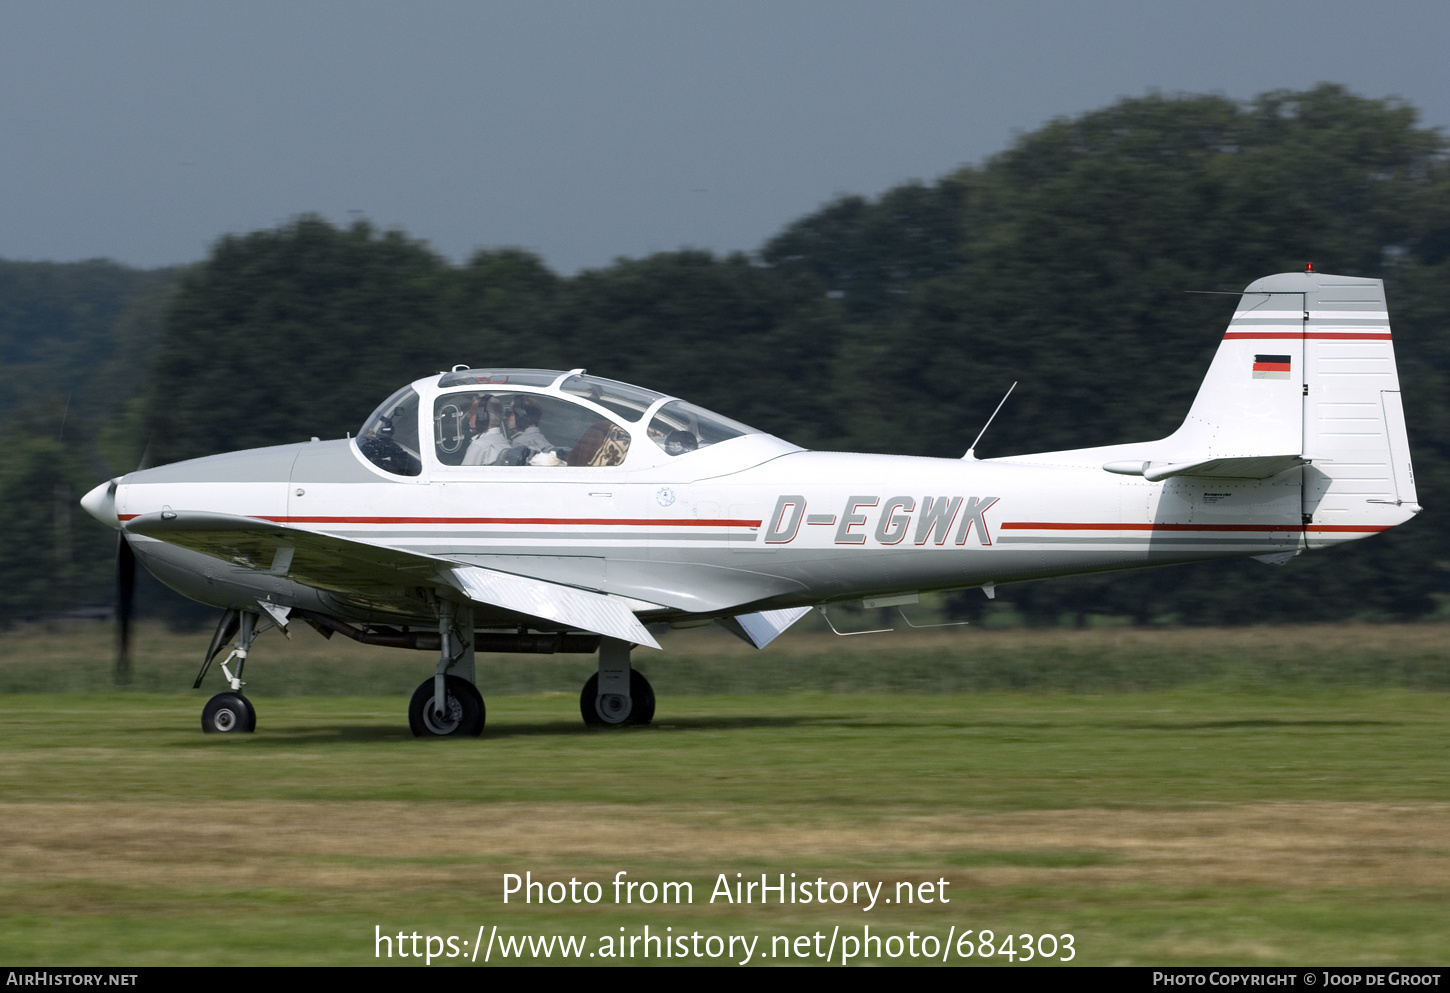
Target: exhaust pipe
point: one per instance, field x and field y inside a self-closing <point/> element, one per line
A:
<point x="543" y="643"/>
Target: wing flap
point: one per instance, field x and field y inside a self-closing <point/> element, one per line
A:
<point x="577" y="608"/>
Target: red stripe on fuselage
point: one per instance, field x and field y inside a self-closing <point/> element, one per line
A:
<point x="1074" y="526"/>
<point x="1317" y="335"/>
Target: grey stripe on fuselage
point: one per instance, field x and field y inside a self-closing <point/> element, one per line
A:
<point x="556" y="537"/>
<point x="1155" y="540"/>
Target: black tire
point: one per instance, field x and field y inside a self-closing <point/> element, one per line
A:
<point x="465" y="710"/>
<point x="229" y="713"/>
<point x="641" y="698"/>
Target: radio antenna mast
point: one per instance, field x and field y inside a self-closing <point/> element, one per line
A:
<point x="972" y="451"/>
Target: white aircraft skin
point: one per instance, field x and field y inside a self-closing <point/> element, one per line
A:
<point x="1296" y="441"/>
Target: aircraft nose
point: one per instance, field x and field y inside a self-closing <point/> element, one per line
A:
<point x="100" y="503"/>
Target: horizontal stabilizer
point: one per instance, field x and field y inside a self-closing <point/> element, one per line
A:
<point x="567" y="605"/>
<point x="763" y="627"/>
<point x="1241" y="467"/>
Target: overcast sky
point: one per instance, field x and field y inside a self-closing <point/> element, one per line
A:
<point x="585" y="130"/>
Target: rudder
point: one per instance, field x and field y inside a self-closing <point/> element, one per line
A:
<point x="1307" y="366"/>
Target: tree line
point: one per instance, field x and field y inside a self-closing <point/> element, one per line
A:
<point x="888" y="324"/>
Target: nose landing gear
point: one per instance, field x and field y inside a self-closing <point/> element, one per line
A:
<point x="231" y="712"/>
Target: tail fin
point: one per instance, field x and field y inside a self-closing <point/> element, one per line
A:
<point x="1304" y="381"/>
<point x="1307" y="368"/>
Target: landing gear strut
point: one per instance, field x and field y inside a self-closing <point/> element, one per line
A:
<point x="449" y="705"/>
<point x="616" y="694"/>
<point x="231" y="712"/>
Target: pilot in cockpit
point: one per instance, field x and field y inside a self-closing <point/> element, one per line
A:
<point x="486" y="418"/>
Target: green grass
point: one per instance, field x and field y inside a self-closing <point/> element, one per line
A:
<point x="986" y="754"/>
<point x="1166" y="796"/>
<point x="78" y="659"/>
<point x="1209" y="823"/>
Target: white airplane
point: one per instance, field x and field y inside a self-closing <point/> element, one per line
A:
<point x="536" y="511"/>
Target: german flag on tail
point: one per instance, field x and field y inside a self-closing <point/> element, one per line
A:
<point x="1271" y="367"/>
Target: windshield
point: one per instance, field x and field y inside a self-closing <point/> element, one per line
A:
<point x="389" y="438"/>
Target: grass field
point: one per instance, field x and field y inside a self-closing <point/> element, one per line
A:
<point x="1248" y="796"/>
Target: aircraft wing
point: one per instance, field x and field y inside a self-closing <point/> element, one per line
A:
<point x="349" y="566"/>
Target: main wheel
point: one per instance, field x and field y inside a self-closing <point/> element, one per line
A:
<point x="228" y="713"/>
<point x="463" y="710"/>
<point x="611" y="710"/>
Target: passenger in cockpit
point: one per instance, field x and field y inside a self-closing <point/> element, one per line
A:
<point x="486" y="417"/>
<point x="522" y="421"/>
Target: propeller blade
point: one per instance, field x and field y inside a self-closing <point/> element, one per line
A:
<point x="226" y="628"/>
<point x="125" y="588"/>
<point x="125" y="599"/>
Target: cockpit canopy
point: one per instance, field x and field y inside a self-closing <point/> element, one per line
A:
<point x="535" y="417"/>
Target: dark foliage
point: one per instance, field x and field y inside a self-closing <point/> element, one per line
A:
<point x="890" y="324"/>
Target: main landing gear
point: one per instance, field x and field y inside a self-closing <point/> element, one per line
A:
<point x="449" y="705"/>
<point x="616" y="694"/>
<point x="462" y="713"/>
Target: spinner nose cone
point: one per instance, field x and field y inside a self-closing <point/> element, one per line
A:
<point x="100" y="503"/>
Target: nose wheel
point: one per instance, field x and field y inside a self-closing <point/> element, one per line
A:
<point x="229" y="713"/>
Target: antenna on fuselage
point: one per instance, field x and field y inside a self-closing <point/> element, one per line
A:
<point x="972" y="451"/>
